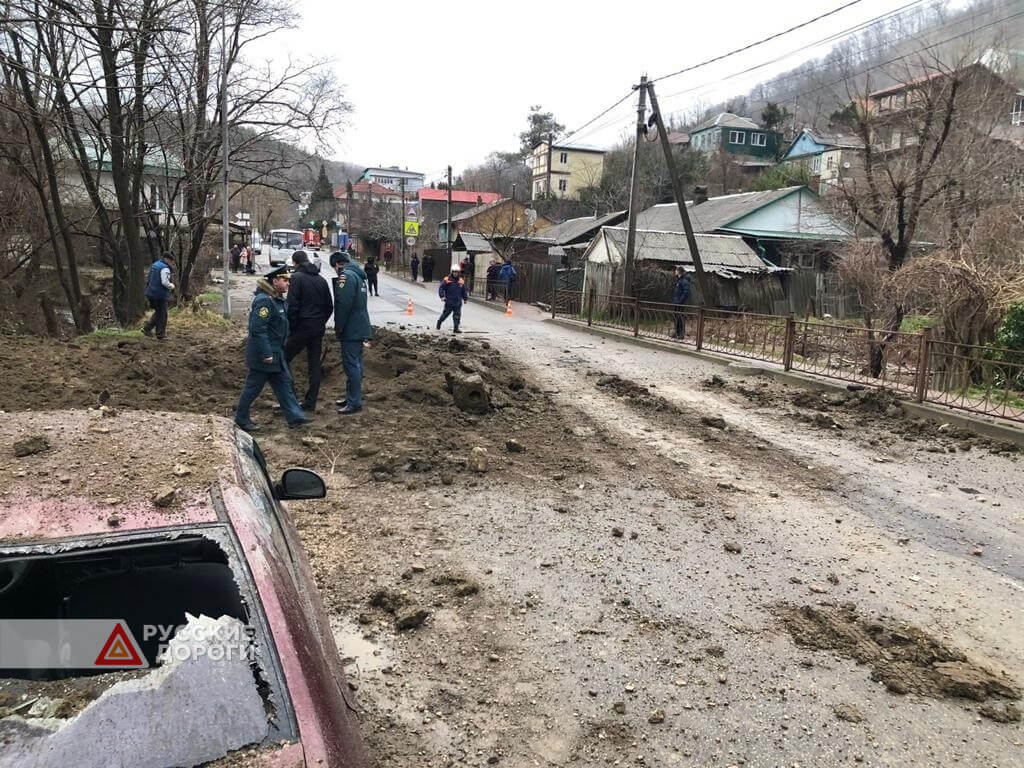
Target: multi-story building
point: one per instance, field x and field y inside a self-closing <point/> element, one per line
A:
<point x="562" y="170"/>
<point x="826" y="157"/>
<point x="734" y="134"/>
<point x="392" y="178"/>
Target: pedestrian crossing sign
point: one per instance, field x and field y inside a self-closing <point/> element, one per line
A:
<point x="412" y="228"/>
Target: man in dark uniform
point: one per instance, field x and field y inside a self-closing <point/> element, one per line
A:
<point x="371" y="269"/>
<point x="264" y="352"/>
<point x="680" y="293"/>
<point x="309" y="308"/>
<point x="452" y="291"/>
<point x="414" y="266"/>
<point x="351" y="326"/>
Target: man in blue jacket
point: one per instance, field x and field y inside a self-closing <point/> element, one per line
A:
<point x="158" y="291"/>
<point x="264" y="352"/>
<point x="453" y="290"/>
<point x="351" y="326"/>
<point x="680" y="293"/>
<point x="507" y="276"/>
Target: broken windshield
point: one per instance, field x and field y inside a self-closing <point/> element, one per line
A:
<point x="178" y="651"/>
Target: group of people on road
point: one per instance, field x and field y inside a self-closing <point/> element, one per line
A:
<point x="242" y="259"/>
<point x="425" y="266"/>
<point x="289" y="314"/>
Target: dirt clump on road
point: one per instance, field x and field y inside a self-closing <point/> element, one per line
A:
<point x="902" y="657"/>
<point x="635" y="394"/>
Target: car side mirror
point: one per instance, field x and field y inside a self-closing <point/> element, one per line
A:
<point x="300" y="484"/>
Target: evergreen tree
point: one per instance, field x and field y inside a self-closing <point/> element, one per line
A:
<point x="540" y="125"/>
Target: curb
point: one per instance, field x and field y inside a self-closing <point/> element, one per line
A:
<point x="979" y="425"/>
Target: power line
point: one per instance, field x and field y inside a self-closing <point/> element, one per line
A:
<point x="834" y="38"/>
<point x="762" y="41"/>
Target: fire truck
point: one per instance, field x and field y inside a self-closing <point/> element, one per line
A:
<point x="311" y="239"/>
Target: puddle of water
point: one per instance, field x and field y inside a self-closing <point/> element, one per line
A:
<point x="355" y="649"/>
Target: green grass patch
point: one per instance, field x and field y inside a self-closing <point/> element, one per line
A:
<point x="210" y="297"/>
<point x="916" y="323"/>
<point x="113" y="333"/>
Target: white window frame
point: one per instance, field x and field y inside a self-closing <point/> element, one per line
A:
<point x="563" y="158"/>
<point x="1017" y="114"/>
<point x="737" y="137"/>
<point x="563" y="185"/>
<point x="816" y="164"/>
<point x="759" y="139"/>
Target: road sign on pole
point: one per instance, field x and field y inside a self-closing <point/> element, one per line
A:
<point x="412" y="228"/>
<point x="410" y="240"/>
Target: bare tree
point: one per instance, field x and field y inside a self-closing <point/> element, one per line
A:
<point x="929" y="155"/>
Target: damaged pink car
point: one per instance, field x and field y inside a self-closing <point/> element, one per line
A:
<point x="170" y="527"/>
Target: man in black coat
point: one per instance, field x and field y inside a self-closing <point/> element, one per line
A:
<point x="371" y="269"/>
<point x="309" y="307"/>
<point x="414" y="266"/>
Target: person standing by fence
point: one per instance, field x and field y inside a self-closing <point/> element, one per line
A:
<point x="507" y="276"/>
<point x="492" y="279"/>
<point x="680" y="295"/>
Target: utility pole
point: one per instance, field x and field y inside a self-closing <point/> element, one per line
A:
<point x="677" y="189"/>
<point x="641" y="129"/>
<point x="225" y="237"/>
<point x="551" y="140"/>
<point x="513" y="192"/>
<point x="401" y="183"/>
<point x="448" y="215"/>
<point x="348" y="216"/>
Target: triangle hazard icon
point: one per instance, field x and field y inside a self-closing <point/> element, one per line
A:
<point x="119" y="650"/>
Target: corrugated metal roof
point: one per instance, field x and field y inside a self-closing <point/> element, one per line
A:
<point x="725" y="255"/>
<point x="478" y="209"/>
<point x="711" y="215"/>
<point x="474" y="242"/>
<point x="726" y="120"/>
<point x="574" y="229"/>
<point x="458" y="195"/>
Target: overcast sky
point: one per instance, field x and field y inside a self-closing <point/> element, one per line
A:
<point x="449" y="82"/>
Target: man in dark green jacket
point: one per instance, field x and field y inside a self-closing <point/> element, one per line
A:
<point x="351" y="326"/>
<point x="264" y="352"/>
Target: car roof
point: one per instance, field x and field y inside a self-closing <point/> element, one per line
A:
<point x="100" y="470"/>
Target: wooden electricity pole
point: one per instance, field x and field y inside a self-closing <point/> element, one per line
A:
<point x="448" y="216"/>
<point x="401" y="183"/>
<point x="641" y="129"/>
<point x="677" y="189"/>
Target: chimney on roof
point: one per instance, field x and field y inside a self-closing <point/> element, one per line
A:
<point x="700" y="194"/>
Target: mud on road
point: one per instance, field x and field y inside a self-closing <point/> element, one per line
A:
<point x="656" y="569"/>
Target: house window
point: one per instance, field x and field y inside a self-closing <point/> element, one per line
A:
<point x="1017" y="115"/>
<point x="563" y="158"/>
<point x="816" y="165"/>
<point x="830" y="163"/>
<point x="737" y="137"/>
<point x="563" y="184"/>
<point x="758" y="140"/>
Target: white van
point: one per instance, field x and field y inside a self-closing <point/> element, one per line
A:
<point x="283" y="243"/>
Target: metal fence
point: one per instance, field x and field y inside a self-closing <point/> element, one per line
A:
<point x="987" y="380"/>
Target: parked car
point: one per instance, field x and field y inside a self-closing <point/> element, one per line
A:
<point x="87" y="533"/>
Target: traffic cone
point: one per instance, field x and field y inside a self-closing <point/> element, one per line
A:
<point x="508" y="309"/>
<point x="408" y="307"/>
